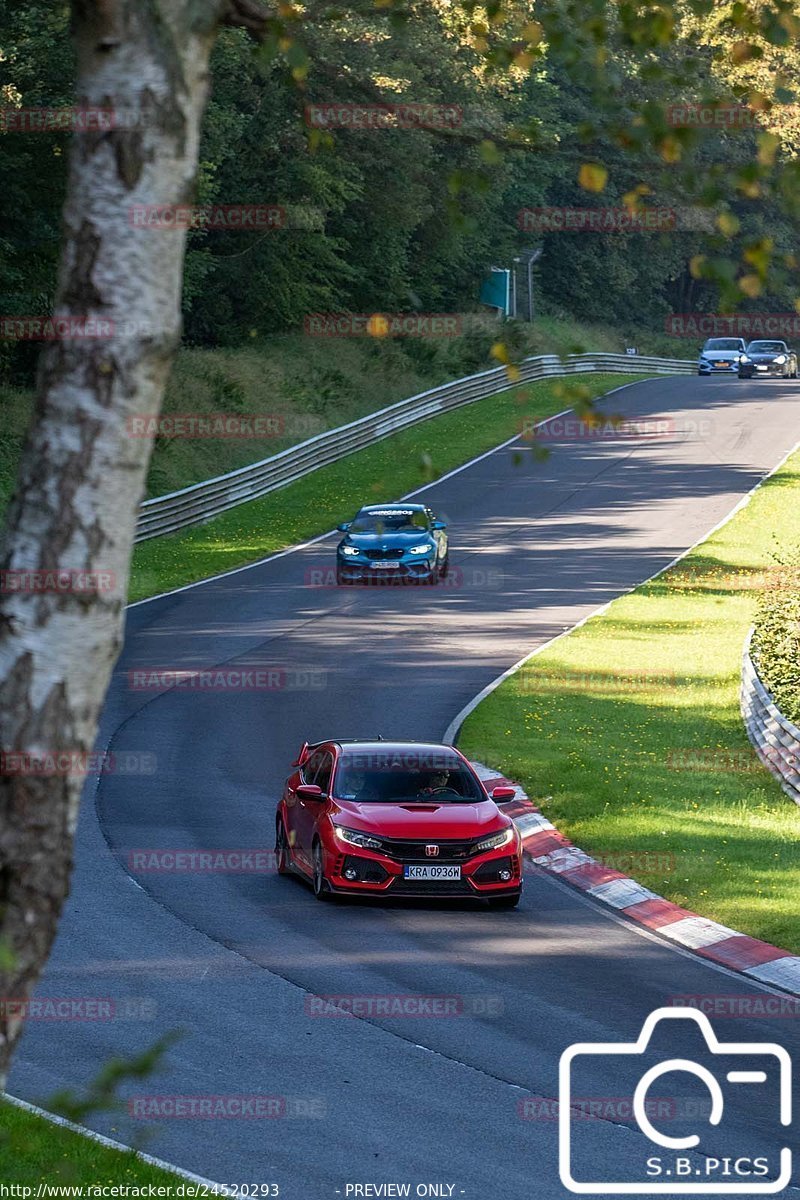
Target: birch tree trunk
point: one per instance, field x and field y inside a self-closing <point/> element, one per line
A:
<point x="82" y="476"/>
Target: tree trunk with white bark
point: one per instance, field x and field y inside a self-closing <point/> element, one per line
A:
<point x="82" y="476"/>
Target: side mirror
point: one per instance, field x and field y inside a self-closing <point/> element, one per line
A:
<point x="503" y="793"/>
<point x="439" y="525"/>
<point x="309" y="791"/>
<point x="345" y="525"/>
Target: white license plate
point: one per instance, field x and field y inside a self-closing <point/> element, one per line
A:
<point x="386" y="566"/>
<point x="760" y="368"/>
<point x="431" y="871"/>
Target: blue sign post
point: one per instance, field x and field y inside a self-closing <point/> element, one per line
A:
<point x="496" y="290"/>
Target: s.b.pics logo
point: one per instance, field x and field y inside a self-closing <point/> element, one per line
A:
<point x="696" y="1153"/>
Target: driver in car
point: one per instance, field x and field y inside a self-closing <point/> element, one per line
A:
<point x="438" y="781"/>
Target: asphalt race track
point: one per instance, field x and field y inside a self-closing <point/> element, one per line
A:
<point x="230" y="959"/>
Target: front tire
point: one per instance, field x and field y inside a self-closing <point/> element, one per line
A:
<point x="445" y="567"/>
<point x="322" y="889"/>
<point x="282" y="853"/>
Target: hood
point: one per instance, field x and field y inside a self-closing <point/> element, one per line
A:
<point x="388" y="540"/>
<point x="718" y="355"/>
<point x="421" y="820"/>
<point x="767" y="356"/>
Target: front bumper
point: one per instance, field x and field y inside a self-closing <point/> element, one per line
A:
<point x="361" y="570"/>
<point x="717" y="368"/>
<point x="763" y="370"/>
<point x="494" y="873"/>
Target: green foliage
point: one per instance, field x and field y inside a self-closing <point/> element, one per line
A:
<point x="776" y="638"/>
<point x="563" y="104"/>
<point x="33" y="1149"/>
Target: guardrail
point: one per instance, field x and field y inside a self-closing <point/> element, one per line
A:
<point x="201" y="501"/>
<point x="775" y="739"/>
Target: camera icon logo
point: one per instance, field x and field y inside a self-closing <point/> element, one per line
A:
<point x="674" y="1172"/>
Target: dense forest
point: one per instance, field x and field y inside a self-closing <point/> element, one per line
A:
<point x="404" y="219"/>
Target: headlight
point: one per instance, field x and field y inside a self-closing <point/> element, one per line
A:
<point x="705" y="362"/>
<point x="496" y="840"/>
<point x="353" y="838"/>
<point x="350" y="550"/>
<point x="426" y="549"/>
<point x="743" y="358"/>
<point x="781" y="359"/>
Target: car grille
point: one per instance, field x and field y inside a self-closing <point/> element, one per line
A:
<point x="385" y="555"/>
<point x="414" y="851"/>
<point x="430" y="887"/>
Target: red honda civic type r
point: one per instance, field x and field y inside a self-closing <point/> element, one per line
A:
<point x="396" y="819"/>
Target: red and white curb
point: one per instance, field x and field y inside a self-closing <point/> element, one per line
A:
<point x="556" y="854"/>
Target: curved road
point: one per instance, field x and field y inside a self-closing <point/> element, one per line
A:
<point x="230" y="959"/>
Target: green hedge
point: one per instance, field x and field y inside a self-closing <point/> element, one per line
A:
<point x="776" y="640"/>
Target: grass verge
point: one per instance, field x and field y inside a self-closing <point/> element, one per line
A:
<point x="628" y="733"/>
<point x="33" y="1150"/>
<point x="320" y="501"/>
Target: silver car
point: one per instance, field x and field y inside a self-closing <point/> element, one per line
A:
<point x="720" y="356"/>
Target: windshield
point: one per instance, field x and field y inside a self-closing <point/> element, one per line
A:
<point x="766" y="348"/>
<point x="389" y="520"/>
<point x="723" y="344"/>
<point x="412" y="776"/>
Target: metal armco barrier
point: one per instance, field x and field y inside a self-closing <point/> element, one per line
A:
<point x="201" y="501"/>
<point x="775" y="739"/>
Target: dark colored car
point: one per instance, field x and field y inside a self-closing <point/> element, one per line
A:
<point x="392" y="541"/>
<point x="720" y="356"/>
<point x="768" y="358"/>
<point x="396" y="819"/>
